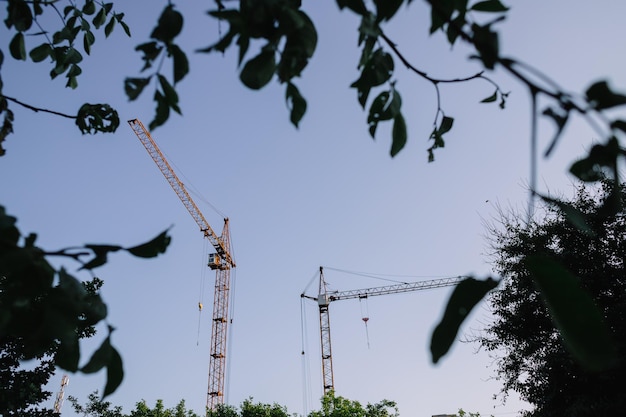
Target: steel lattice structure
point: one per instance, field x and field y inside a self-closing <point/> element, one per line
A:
<point x="221" y="262"/>
<point x="324" y="299"/>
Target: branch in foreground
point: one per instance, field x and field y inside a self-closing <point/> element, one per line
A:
<point x="37" y="109"/>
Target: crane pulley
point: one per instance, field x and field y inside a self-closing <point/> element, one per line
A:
<point x="221" y="261"/>
<point x="325" y="297"/>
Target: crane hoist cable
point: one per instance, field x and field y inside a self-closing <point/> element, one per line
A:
<point x="365" y="317"/>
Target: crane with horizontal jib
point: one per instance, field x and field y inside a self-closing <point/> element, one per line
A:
<point x="325" y="297"/>
<point x="221" y="261"/>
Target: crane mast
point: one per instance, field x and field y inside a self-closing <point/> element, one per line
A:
<point x="221" y="261"/>
<point x="325" y="297"/>
<point x="58" y="403"/>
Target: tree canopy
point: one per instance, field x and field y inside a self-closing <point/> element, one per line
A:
<point x="532" y="356"/>
<point x="331" y="406"/>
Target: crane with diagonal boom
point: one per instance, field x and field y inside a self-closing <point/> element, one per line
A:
<point x="325" y="297"/>
<point x="221" y="261"/>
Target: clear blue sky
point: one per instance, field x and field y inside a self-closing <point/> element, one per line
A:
<point x="325" y="194"/>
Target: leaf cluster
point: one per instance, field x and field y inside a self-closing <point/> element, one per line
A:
<point x="61" y="49"/>
<point x="22" y="388"/>
<point x="48" y="310"/>
<point x="288" y="40"/>
<point x="160" y="47"/>
<point x="337" y="406"/>
<point x="79" y="21"/>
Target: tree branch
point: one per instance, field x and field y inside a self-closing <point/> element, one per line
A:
<point x="37" y="109"/>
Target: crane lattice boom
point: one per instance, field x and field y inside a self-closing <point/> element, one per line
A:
<point x="325" y="297"/>
<point x="393" y="289"/>
<point x="222" y="262"/>
<point x="180" y="190"/>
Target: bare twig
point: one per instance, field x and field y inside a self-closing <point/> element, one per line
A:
<point x="37" y="109"/>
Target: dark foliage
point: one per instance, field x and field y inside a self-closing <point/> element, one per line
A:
<point x="532" y="357"/>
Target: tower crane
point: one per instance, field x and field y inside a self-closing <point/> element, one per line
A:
<point x="221" y="261"/>
<point x="58" y="403"/>
<point x="325" y="297"/>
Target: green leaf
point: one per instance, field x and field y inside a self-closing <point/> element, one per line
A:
<point x="619" y="125"/>
<point x="151" y="51"/>
<point x="68" y="354"/>
<point x="89" y="8"/>
<point x="134" y="86"/>
<point x="299" y="47"/>
<point x="67" y="10"/>
<point x="181" y="64"/>
<point x="601" y="156"/>
<point x="437" y="136"/>
<point x="494" y="6"/>
<point x="169" y="26"/>
<point x="357" y="6"/>
<point x="296" y="104"/>
<point x="92" y="118"/>
<point x="446" y="125"/>
<point x="115" y="373"/>
<point x="72" y="56"/>
<point x="586" y="170"/>
<point x="258" y="71"/>
<point x="574" y="313"/>
<point x="244" y="43"/>
<point x="98" y="260"/>
<point x="9" y="233"/>
<point x="17" y="47"/>
<point x="152" y="248"/>
<point x="41" y="52"/>
<point x="72" y="288"/>
<point x="170" y="93"/>
<point x="100" y="18"/>
<point x="369" y="31"/>
<point x="84" y="25"/>
<point x="386" y="106"/>
<point x="386" y="9"/>
<point x="125" y="27"/>
<point x="491" y="98"/>
<point x="377" y="70"/>
<point x="464" y="298"/>
<point x="486" y="42"/>
<point x="18" y="15"/>
<point x="233" y="17"/>
<point x="454" y="28"/>
<point x="399" y="135"/>
<point x="600" y="96"/>
<point x="100" y="358"/>
<point x="88" y="40"/>
<point x="94" y="310"/>
<point x="108" y="29"/>
<point x="560" y="119"/>
<point x="441" y="13"/>
<point x="162" y="111"/>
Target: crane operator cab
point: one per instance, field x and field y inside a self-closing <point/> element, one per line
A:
<point x="214" y="261"/>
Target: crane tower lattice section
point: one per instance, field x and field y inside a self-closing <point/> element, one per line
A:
<point x="221" y="261"/>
